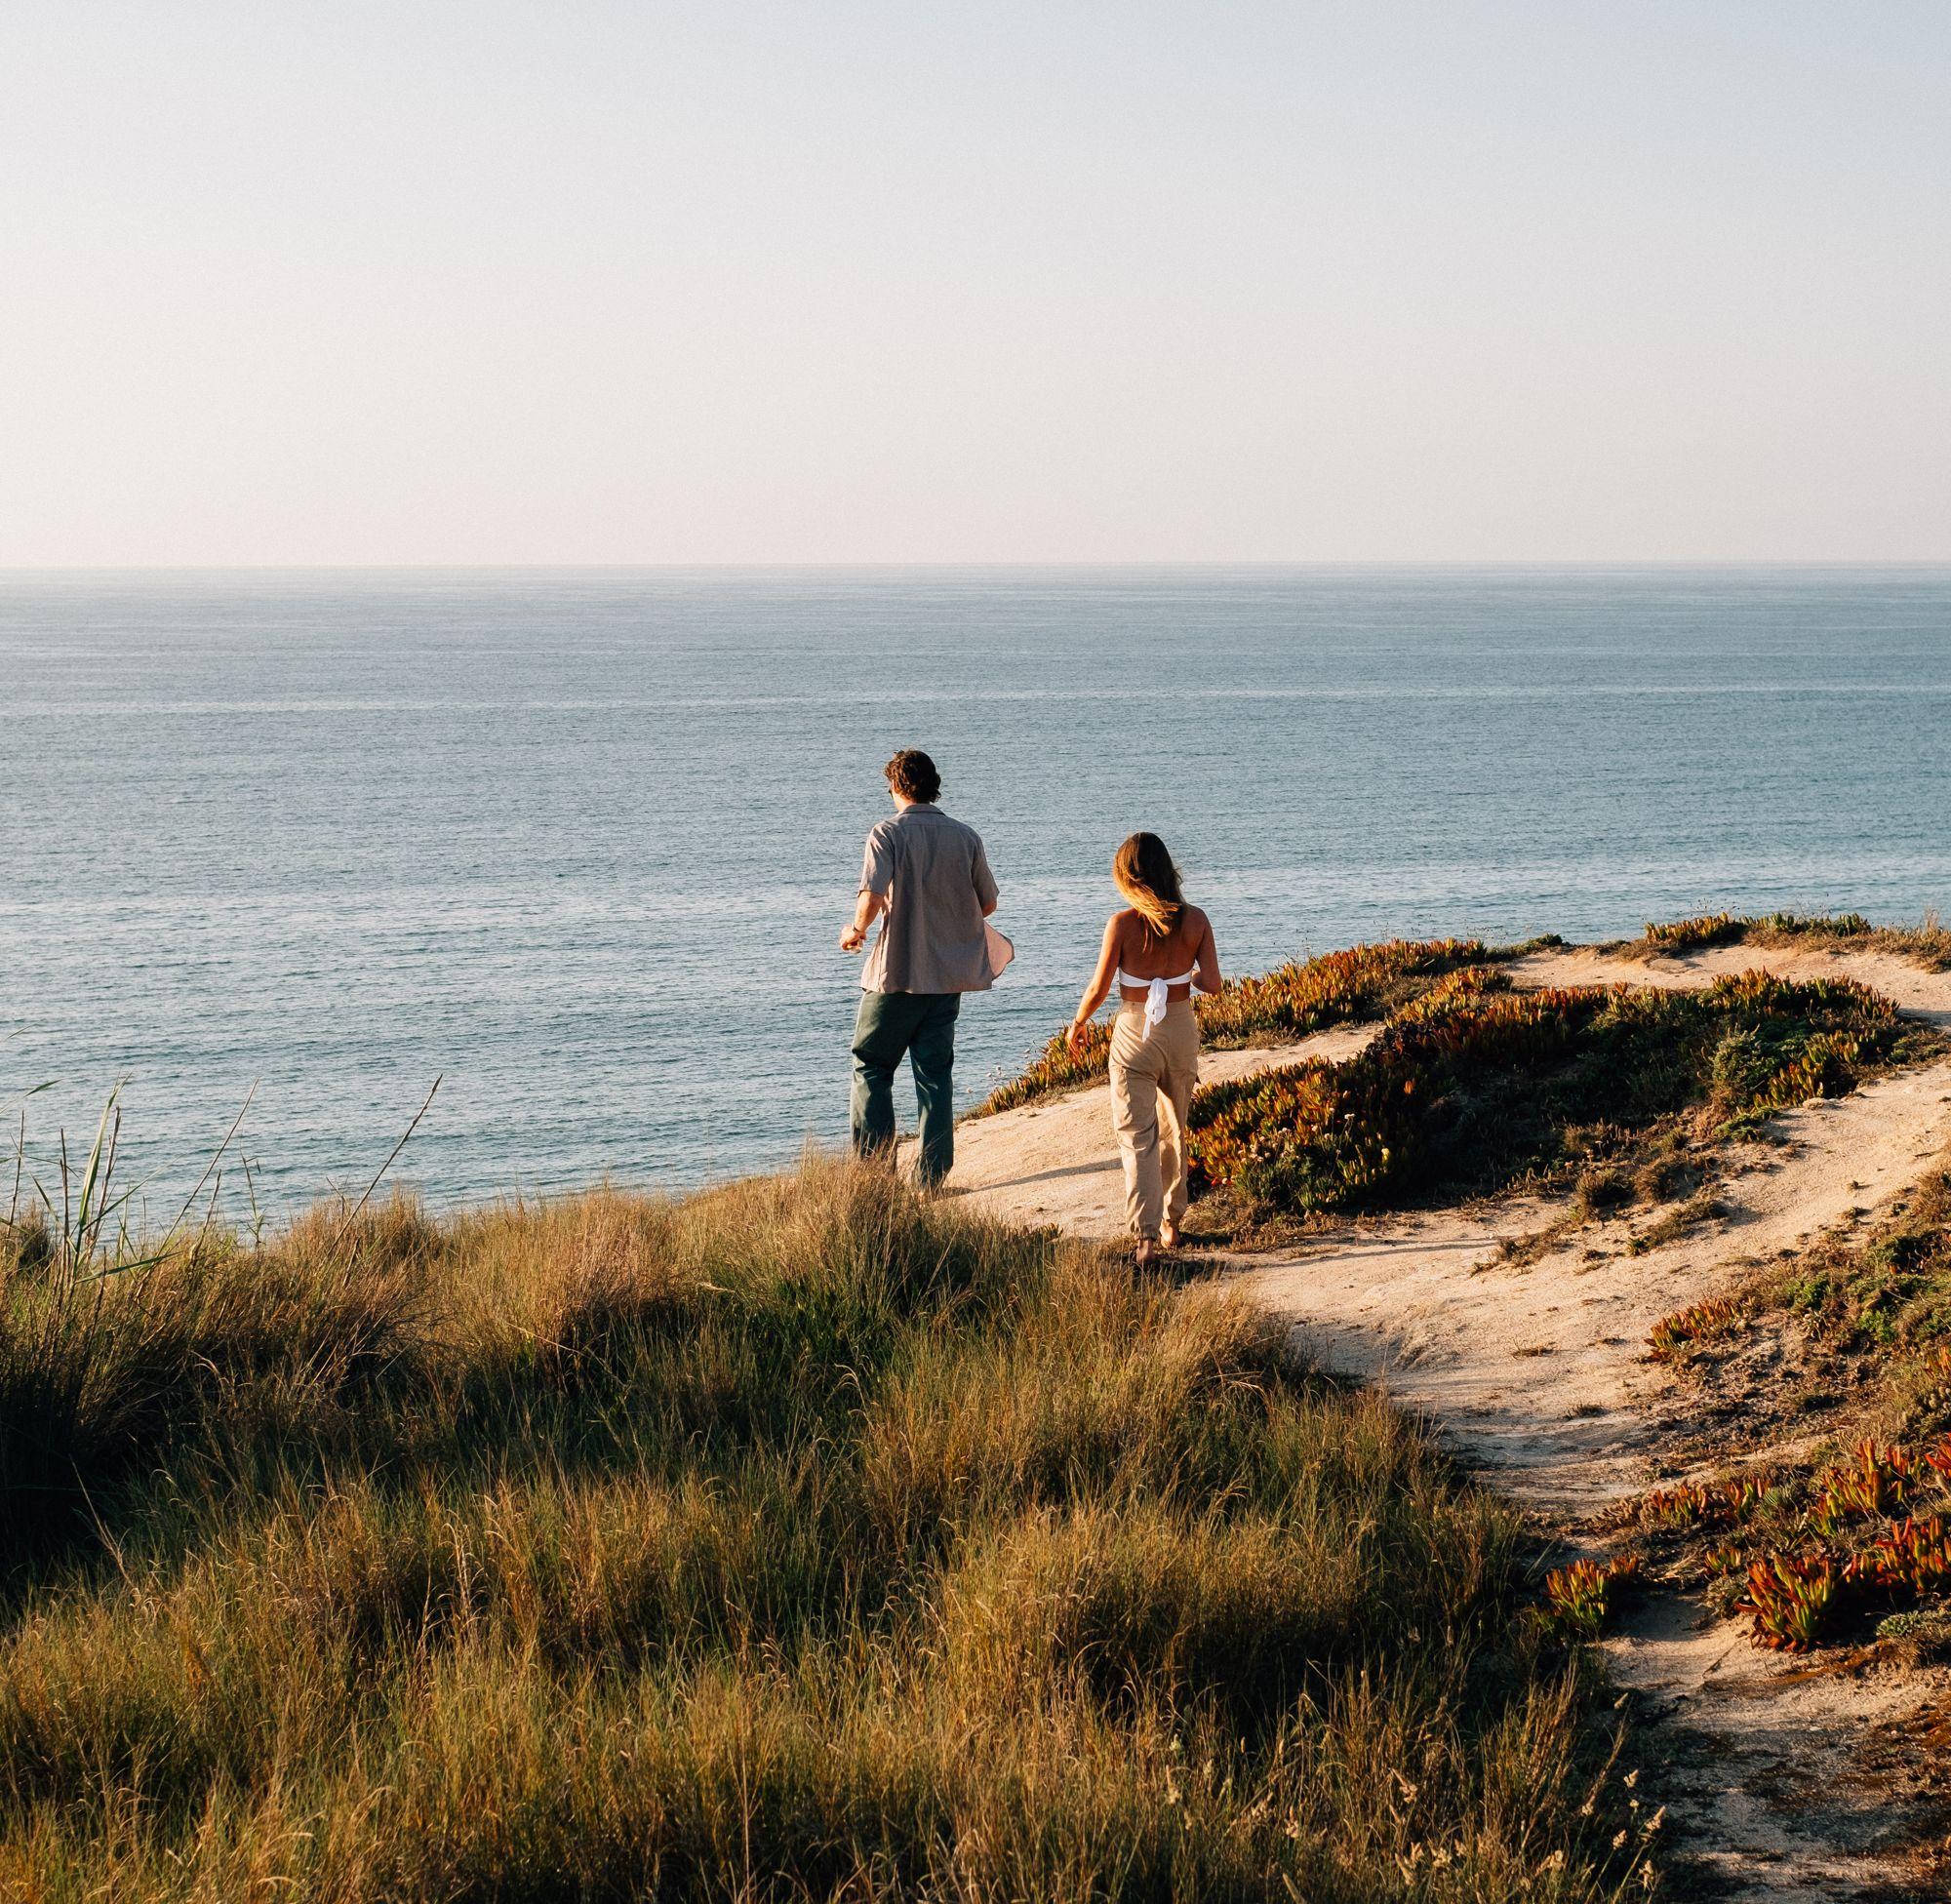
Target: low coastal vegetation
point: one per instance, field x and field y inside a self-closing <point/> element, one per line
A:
<point x="802" y="1539"/>
<point x="1474" y="1085"/>
<point x="1843" y="1537"/>
<point x="1359" y="983"/>
<point x="1927" y="944"/>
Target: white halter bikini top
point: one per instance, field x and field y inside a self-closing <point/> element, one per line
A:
<point x="1155" y="993"/>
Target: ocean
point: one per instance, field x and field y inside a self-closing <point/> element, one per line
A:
<point x="580" y="842"/>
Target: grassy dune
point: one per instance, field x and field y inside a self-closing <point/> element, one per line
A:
<point x="800" y="1540"/>
<point x="1472" y="1086"/>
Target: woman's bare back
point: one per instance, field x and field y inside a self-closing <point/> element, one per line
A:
<point x="1142" y="954"/>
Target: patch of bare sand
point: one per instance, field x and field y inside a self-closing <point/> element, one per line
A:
<point x="1537" y="1375"/>
<point x="1782" y="1772"/>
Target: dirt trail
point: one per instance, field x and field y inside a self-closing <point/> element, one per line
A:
<point x="1537" y="1374"/>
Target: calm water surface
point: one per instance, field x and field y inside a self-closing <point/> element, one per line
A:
<point x="583" y="841"/>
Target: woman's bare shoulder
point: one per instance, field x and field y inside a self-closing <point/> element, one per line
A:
<point x="1197" y="925"/>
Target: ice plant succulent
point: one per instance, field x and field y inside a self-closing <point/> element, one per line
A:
<point x="1913" y="1558"/>
<point x="1791" y="1598"/>
<point x="1580" y="1598"/>
<point x="1876" y="1485"/>
<point x="1422" y="1102"/>
<point x="1698" y="1321"/>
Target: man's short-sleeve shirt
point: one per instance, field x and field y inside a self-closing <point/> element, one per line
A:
<point x="935" y="878"/>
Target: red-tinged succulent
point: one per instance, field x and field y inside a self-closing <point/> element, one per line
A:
<point x="1322" y="1135"/>
<point x="1581" y="1597"/>
<point x="1913" y="1558"/>
<point x="1693" y="1324"/>
<point x="1877" y="1485"/>
<point x="1758" y="993"/>
<point x="1688" y="1505"/>
<point x="1689" y="934"/>
<point x="1791" y="1598"/>
<point x="1744" y="1490"/>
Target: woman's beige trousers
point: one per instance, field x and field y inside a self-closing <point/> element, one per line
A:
<point x="1152" y="1080"/>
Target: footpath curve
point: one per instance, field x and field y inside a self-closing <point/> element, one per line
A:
<point x="1536" y="1375"/>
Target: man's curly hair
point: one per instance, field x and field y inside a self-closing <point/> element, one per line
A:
<point x="912" y="776"/>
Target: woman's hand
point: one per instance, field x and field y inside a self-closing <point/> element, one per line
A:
<point x="1073" y="1038"/>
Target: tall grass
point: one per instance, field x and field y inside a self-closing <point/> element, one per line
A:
<point x="796" y="1540"/>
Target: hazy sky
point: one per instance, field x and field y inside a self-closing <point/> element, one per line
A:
<point x="324" y="281"/>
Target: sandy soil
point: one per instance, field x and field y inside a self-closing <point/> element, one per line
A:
<point x="1537" y="1375"/>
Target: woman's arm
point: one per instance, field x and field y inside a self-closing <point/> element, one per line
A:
<point x="1098" y="991"/>
<point x="1209" y="979"/>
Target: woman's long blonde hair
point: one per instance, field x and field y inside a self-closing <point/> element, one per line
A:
<point x="1145" y="875"/>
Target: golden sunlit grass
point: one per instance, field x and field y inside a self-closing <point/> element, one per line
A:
<point x="800" y="1539"/>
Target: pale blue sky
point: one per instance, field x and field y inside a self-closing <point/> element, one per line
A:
<point x="325" y="281"/>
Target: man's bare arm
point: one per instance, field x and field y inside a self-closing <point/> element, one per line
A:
<point x="867" y="908"/>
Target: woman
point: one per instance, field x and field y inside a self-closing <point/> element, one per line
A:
<point x="1157" y="952"/>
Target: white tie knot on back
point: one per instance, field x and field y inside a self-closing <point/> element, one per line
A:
<point x="1156" y="993"/>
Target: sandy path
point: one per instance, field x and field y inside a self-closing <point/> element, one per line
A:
<point x="1538" y="1373"/>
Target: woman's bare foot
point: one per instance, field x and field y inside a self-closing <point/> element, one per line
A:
<point x="1145" y="1252"/>
<point x="1169" y="1236"/>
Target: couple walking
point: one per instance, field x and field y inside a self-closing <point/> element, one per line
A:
<point x="926" y="878"/>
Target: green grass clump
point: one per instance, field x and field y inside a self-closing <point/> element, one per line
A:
<point x="1474" y="1084"/>
<point x="802" y="1539"/>
<point x="1359" y="982"/>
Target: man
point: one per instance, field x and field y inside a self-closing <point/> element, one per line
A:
<point x="928" y="878"/>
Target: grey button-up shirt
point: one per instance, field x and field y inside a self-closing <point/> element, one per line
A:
<point x="935" y="878"/>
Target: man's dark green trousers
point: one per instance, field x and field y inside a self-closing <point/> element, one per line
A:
<point x="919" y="1026"/>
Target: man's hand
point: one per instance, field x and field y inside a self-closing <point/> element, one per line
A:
<point x="867" y="907"/>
